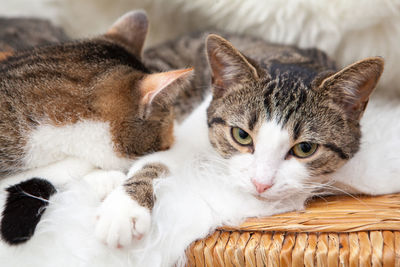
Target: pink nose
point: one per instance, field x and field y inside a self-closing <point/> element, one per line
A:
<point x="261" y="187"/>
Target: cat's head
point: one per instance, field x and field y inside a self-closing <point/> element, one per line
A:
<point x="280" y="131"/>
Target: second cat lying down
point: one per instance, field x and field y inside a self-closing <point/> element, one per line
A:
<point x="92" y="100"/>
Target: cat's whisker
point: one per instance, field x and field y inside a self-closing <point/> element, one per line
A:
<point x="329" y="186"/>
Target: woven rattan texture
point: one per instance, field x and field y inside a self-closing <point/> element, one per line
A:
<point x="335" y="231"/>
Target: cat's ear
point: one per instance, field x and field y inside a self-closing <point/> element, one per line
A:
<point x="4" y="55"/>
<point x="130" y="30"/>
<point x="228" y="65"/>
<point x="161" y="89"/>
<point x="353" y="85"/>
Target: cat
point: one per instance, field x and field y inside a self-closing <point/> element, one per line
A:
<point x="52" y="97"/>
<point x="92" y="102"/>
<point x="276" y="130"/>
<point x="209" y="184"/>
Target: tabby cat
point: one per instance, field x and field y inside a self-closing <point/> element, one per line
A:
<point x="282" y="124"/>
<point x="92" y="102"/>
<point x="91" y="99"/>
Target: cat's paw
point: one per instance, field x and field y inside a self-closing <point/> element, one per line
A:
<point x="121" y="220"/>
<point x="158" y="158"/>
<point x="104" y="182"/>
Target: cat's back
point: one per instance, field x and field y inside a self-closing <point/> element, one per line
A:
<point x="63" y="76"/>
<point x="189" y="50"/>
<point x="56" y="85"/>
<point x="74" y="61"/>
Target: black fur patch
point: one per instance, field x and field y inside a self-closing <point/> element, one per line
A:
<point x="23" y="209"/>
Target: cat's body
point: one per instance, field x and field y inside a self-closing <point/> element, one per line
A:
<point x="91" y="101"/>
<point x="210" y="176"/>
<point x="42" y="121"/>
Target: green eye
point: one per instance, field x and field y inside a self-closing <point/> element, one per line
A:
<point x="241" y="136"/>
<point x="304" y="149"/>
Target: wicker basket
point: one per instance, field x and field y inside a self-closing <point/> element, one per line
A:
<point x="334" y="231"/>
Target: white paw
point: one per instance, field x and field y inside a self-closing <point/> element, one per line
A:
<point x="121" y="220"/>
<point x="104" y="182"/>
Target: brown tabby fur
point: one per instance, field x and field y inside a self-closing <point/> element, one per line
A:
<point x="98" y="79"/>
<point x="140" y="185"/>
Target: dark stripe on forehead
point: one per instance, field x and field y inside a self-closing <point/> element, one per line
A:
<point x="267" y="107"/>
<point x="296" y="130"/>
<point x="287" y="116"/>
<point x="302" y="97"/>
<point x="337" y="150"/>
<point x="253" y="120"/>
<point x="268" y="96"/>
<point x="216" y="120"/>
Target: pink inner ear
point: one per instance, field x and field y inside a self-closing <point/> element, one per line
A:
<point x="155" y="83"/>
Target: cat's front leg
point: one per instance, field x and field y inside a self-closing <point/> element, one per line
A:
<point x="125" y="214"/>
<point x="104" y="182"/>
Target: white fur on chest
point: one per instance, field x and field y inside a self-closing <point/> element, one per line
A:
<point x="88" y="140"/>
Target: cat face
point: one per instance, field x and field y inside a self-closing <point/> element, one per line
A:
<point x="281" y="132"/>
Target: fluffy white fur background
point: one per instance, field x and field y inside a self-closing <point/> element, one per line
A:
<point x="347" y="30"/>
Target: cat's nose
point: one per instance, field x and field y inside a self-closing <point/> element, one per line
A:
<point x="260" y="187"/>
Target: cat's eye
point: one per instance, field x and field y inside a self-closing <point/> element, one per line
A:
<point x="241" y="136"/>
<point x="303" y="149"/>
